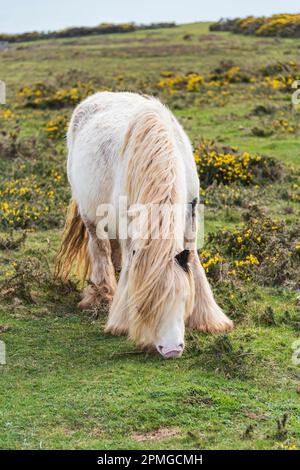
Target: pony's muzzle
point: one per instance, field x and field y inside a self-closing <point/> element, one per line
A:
<point x="171" y="353"/>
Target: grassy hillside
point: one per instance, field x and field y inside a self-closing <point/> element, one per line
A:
<point x="66" y="384"/>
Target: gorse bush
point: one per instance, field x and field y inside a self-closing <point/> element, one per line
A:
<point x="227" y="73"/>
<point x="42" y="95"/>
<point x="227" y="165"/>
<point x="104" y="28"/>
<point x="57" y="127"/>
<point x="232" y="360"/>
<point x="228" y="79"/>
<point x="21" y="277"/>
<point x="283" y="125"/>
<point x="263" y="249"/>
<point x="30" y="279"/>
<point x="284" y="25"/>
<point x="34" y="192"/>
<point x="28" y="202"/>
<point x="280" y="68"/>
<point x="191" y="82"/>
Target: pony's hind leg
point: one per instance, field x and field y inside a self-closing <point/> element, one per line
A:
<point x="207" y="315"/>
<point x="102" y="278"/>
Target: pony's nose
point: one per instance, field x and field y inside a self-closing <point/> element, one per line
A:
<point x="168" y="353"/>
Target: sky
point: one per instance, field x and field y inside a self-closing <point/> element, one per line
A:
<point x="43" y="15"/>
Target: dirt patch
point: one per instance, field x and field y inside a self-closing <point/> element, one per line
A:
<point x="150" y="51"/>
<point x="157" y="435"/>
<point x="256" y="416"/>
<point x="210" y="37"/>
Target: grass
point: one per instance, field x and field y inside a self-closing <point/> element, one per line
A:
<point x="68" y="385"/>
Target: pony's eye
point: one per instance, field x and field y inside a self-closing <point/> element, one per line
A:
<point x="133" y="253"/>
<point x="183" y="259"/>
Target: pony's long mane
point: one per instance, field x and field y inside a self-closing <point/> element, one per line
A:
<point x="154" y="274"/>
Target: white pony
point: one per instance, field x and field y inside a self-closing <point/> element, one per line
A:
<point x="128" y="145"/>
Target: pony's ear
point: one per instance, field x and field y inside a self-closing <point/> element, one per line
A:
<point x="183" y="259"/>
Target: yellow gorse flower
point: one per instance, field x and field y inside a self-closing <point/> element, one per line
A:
<point x="249" y="260"/>
<point x="190" y="82"/>
<point x="228" y="166"/>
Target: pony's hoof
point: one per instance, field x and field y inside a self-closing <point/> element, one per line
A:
<point x="222" y="326"/>
<point x="115" y="330"/>
<point x="92" y="297"/>
<point x="87" y="304"/>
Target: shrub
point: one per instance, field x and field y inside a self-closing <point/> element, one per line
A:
<point x="30" y="279"/>
<point x="30" y="201"/>
<point x="227" y="165"/>
<point x="285" y="25"/>
<point x="104" y="28"/>
<point x="263" y="249"/>
<point x="57" y="127"/>
<point x="42" y="95"/>
<point x="232" y="360"/>
<point x="280" y="68"/>
<point x="190" y="82"/>
<point x="231" y="73"/>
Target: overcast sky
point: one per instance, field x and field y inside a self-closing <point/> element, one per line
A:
<point x="43" y="15"/>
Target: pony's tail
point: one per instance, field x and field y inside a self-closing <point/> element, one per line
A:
<point x="73" y="249"/>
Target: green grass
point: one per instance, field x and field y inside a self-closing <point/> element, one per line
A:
<point x="68" y="385"/>
<point x="232" y="124"/>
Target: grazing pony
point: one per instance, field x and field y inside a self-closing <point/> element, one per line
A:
<point x="131" y="146"/>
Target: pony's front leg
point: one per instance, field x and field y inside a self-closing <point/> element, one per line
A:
<point x="207" y="315"/>
<point x="117" y="323"/>
<point x="103" y="279"/>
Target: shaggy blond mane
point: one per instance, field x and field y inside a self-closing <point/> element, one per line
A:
<point x="154" y="274"/>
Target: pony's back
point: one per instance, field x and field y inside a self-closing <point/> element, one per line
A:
<point x="108" y="109"/>
<point x="98" y="138"/>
